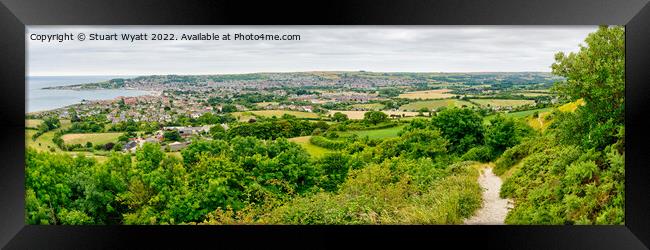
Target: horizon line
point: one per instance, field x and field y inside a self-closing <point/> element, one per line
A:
<point x="270" y="72"/>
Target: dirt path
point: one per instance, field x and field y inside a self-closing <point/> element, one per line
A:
<point x="494" y="209"/>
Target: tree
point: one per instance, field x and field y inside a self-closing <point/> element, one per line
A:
<point x="375" y="117"/>
<point x="334" y="169"/>
<point x="50" y="123"/>
<point x="173" y="135"/>
<point x="339" y="117"/>
<point x="228" y="108"/>
<point x="423" y="110"/>
<point x="422" y="143"/>
<point x="149" y="156"/>
<point x="462" y="127"/>
<point x="501" y="134"/>
<point x="595" y="74"/>
<point x="217" y="132"/>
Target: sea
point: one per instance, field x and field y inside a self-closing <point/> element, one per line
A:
<point x="39" y="99"/>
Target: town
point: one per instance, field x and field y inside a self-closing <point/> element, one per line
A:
<point x="178" y="102"/>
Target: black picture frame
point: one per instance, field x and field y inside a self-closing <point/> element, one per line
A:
<point x="16" y="14"/>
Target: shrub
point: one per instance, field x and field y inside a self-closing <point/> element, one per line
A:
<point x="327" y="143"/>
<point x="398" y="191"/>
<point x="480" y="153"/>
<point x="510" y="157"/>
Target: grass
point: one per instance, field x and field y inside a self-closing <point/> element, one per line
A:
<point x="33" y="123"/>
<point x="377" y="133"/>
<point x="502" y="102"/>
<point x="435" y="104"/>
<point x="572" y="106"/>
<point x="540" y="123"/>
<point x="264" y="104"/>
<point x="510" y="171"/>
<point x="358" y="115"/>
<point x="44" y="142"/>
<point x="175" y="154"/>
<point x="94" y="138"/>
<point x="369" y="106"/>
<point x="531" y="94"/>
<point x="427" y="94"/>
<point x="243" y="116"/>
<point x="520" y="114"/>
<point x="276" y="113"/>
<point x="312" y="149"/>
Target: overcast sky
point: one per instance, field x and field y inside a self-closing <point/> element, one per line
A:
<point x="370" y="48"/>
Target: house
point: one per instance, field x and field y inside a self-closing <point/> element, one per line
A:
<point x="187" y="131"/>
<point x="130" y="146"/>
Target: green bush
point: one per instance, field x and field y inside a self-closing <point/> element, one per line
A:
<point x="396" y="192"/>
<point x="480" y="153"/>
<point x="327" y="143"/>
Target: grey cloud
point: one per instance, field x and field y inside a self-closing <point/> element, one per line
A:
<point x="373" y="48"/>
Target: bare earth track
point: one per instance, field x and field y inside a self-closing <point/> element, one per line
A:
<point x="494" y="209"/>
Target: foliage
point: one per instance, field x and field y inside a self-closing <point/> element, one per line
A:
<point x="327" y="143"/>
<point x="172" y="135"/>
<point x="595" y="74"/>
<point x="395" y="192"/>
<point x="339" y="117"/>
<point x="374" y="117"/>
<point x="479" y="153"/>
<point x="565" y="185"/>
<point x="414" y="144"/>
<point x="463" y="128"/>
<point x="504" y="132"/>
<point x="273" y="129"/>
<point x="48" y="124"/>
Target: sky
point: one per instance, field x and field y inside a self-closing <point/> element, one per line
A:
<point x="320" y="48"/>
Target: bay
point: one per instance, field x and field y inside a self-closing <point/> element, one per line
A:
<point x="39" y="99"/>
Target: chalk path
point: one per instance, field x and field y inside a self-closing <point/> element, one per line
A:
<point x="494" y="209"/>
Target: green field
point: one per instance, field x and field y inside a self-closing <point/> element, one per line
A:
<point x="526" y="113"/>
<point x="435" y="104"/>
<point x="358" y="115"/>
<point x="94" y="138"/>
<point x="541" y="123"/>
<point x="369" y="106"/>
<point x="264" y="104"/>
<point x="521" y="114"/>
<point x="276" y="113"/>
<point x="531" y="94"/>
<point x="44" y="142"/>
<point x="33" y="123"/>
<point x="312" y="149"/>
<point x="502" y="102"/>
<point x="377" y="133"/>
